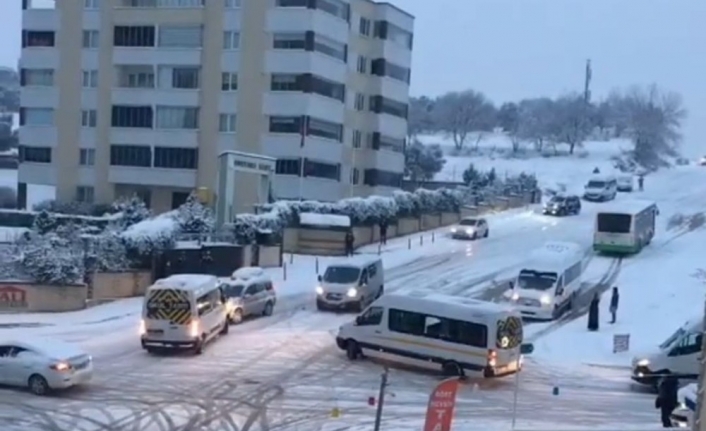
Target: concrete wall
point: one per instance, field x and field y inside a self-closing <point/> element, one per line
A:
<point x="113" y="285"/>
<point x="270" y="257"/>
<point x="19" y="297"/>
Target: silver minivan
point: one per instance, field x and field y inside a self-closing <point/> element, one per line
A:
<point x="249" y="292"/>
<point x="352" y="284"/>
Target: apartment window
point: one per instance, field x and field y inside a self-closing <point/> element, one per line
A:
<point x="136" y="76"/>
<point x="37" y="77"/>
<point x="131" y="155"/>
<point x="38" y="39"/>
<point x="177" y="117"/>
<point x="282" y="124"/>
<point x="34" y="154"/>
<point x="379" y="178"/>
<point x="89" y="79"/>
<point x="226" y="123"/>
<point x="330" y="47"/>
<point x="336" y="8"/>
<point x="90" y="39"/>
<point x="383" y="105"/>
<point x="136" y="36"/>
<point x="87" y="156"/>
<point x="175" y="158"/>
<point x="325" y="129"/>
<point x="362" y="64"/>
<point x="229" y="81"/>
<point x="288" y="167"/>
<point x="89" y="118"/>
<point x="364" y="26"/>
<point x="355" y="176"/>
<point x="186" y="77"/>
<point x="289" y="41"/>
<point x="292" y="3"/>
<point x="381" y="67"/>
<point x="388" y="31"/>
<point x="357" y="139"/>
<point x="176" y="3"/>
<point x="324" y="87"/>
<point x="233" y="4"/>
<point x="359" y="102"/>
<point x="132" y="116"/>
<point x="85" y="194"/>
<point x="383" y="142"/>
<point x="91" y="4"/>
<point x="285" y="82"/>
<point x="231" y="40"/>
<point x="329" y="171"/>
<point x="180" y="36"/>
<point x="36" y="116"/>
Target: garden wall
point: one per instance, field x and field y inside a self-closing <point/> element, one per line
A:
<point x="115" y="285"/>
<point x="22" y="297"/>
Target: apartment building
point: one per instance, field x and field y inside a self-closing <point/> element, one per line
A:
<point x="141" y="96"/>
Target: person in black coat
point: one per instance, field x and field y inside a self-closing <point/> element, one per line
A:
<point x="667" y="398"/>
<point x="383" y="232"/>
<point x="614" y="300"/>
<point x="593" y="313"/>
<point x="641" y="182"/>
<point x="349" y="241"/>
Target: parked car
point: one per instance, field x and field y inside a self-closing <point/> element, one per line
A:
<point x="625" y="183"/>
<point x="562" y="205"/>
<point x="471" y="228"/>
<point x="702" y="161"/>
<point x="43" y="365"/>
<point x="601" y="188"/>
<point x="249" y="292"/>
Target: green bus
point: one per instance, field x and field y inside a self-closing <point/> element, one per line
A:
<point x="625" y="227"/>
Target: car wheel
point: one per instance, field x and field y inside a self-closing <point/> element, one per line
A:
<point x="38" y="385"/>
<point x="452" y="369"/>
<point x="198" y="348"/>
<point x="474" y="237"/>
<point x="487" y="232"/>
<point x="237" y="316"/>
<point x="225" y="328"/>
<point x="269" y="308"/>
<point x="353" y="350"/>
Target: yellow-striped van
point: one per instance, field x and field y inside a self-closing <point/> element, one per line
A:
<point x="183" y="311"/>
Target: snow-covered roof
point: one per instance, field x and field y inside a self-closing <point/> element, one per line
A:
<point x="632" y="206"/>
<point x="313" y="219"/>
<point x="555" y="256"/>
<point x="355" y="261"/>
<point x="602" y="177"/>
<point x="50" y="347"/>
<point x="446" y="306"/>
<point x="184" y="281"/>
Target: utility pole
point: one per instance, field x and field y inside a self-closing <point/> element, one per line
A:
<point x="587" y="83"/>
<point x="381" y="400"/>
<point x="699" y="413"/>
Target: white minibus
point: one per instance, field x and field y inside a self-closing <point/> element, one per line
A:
<point x="625" y="227"/>
<point x="452" y="334"/>
<point x="679" y="355"/>
<point x="549" y="281"/>
<point x="351" y="284"/>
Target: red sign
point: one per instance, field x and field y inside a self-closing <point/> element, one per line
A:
<point x="12" y="297"/>
<point x="440" y="410"/>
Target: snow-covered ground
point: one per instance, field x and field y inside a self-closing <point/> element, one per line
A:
<point x="36" y="193"/>
<point x="285" y="372"/>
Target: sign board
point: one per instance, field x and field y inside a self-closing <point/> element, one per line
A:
<point x="12" y="298"/>
<point x="621" y="343"/>
<point x="440" y="410"/>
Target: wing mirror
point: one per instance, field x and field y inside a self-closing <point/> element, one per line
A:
<point x="358" y="319"/>
<point x="320" y="278"/>
<point x="526" y="348"/>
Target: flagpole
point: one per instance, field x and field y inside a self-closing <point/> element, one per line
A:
<point x="302" y="159"/>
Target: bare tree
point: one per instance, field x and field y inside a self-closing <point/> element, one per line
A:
<point x="420" y="117"/>
<point x="459" y="113"/>
<point x="536" y="121"/>
<point x="571" y="122"/>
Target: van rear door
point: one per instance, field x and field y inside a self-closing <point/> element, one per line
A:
<point x="168" y="312"/>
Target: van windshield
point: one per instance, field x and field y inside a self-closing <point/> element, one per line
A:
<point x="233" y="290"/>
<point x="669" y="342"/>
<point x="596" y="184"/>
<point x="341" y="274"/>
<point x="536" y="280"/>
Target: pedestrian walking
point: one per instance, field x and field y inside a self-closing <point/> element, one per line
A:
<point x="383" y="232"/>
<point x="667" y="399"/>
<point x="349" y="241"/>
<point x="593" y="313"/>
<point x="614" y="301"/>
<point x="596" y="170"/>
<point x="641" y="182"/>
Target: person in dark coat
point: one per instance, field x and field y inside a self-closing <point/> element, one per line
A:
<point x="596" y="170"/>
<point x="349" y="240"/>
<point x="593" y="313"/>
<point x="667" y="398"/>
<point x="614" y="300"/>
<point x="383" y="232"/>
<point x="641" y="182"/>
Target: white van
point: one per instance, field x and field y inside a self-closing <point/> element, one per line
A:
<point x="601" y="188"/>
<point x="452" y="334"/>
<point x="183" y="311"/>
<point x="353" y="283"/>
<point x="549" y="281"/>
<point x="679" y="354"/>
<point x="625" y="183"/>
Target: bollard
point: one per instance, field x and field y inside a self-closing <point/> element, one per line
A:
<point x="555" y="390"/>
<point x="291" y="258"/>
<point x="409" y="243"/>
<point x="421" y="239"/>
<point x="317" y="266"/>
<point x="284" y="271"/>
<point x="432" y="237"/>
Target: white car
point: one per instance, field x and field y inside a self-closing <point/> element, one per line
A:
<point x="683" y="415"/>
<point x="470" y="228"/>
<point x="43" y="365"/>
<point x="702" y="161"/>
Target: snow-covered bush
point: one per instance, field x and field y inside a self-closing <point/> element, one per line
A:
<point x="73" y="208"/>
<point x="151" y="235"/>
<point x="194" y="217"/>
<point x="45" y="222"/>
<point x="51" y="259"/>
<point x="132" y="211"/>
<point x="407" y="204"/>
<point x="106" y="252"/>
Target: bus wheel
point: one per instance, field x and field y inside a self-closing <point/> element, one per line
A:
<point x="452" y="369"/>
<point x="352" y="350"/>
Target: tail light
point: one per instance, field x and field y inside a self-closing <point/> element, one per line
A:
<point x="492" y="358"/>
<point x="194" y="328"/>
<point x="60" y="366"/>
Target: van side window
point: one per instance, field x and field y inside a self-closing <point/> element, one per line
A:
<point x="406" y="322"/>
<point x="364" y="277"/>
<point x="372" y="317"/>
<point x="688" y="345"/>
<point x="454" y="331"/>
<point x="204" y="304"/>
<point x="372" y="270"/>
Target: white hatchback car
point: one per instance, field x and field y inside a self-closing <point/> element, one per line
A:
<point x="470" y="228"/>
<point x="43" y="365"/>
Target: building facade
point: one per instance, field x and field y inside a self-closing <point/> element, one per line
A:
<point x="141" y="96"/>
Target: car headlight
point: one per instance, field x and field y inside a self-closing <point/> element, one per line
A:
<point x="545" y="300"/>
<point x="515" y="296"/>
<point x="352" y="292"/>
<point x="319" y="290"/>
<point x="643" y="362"/>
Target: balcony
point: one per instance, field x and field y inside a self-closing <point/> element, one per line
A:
<point x="159" y="4"/>
<point x="285" y="146"/>
<point x="299" y="20"/>
<point x="295" y="62"/>
<point x="297" y="103"/>
<point x="135" y="76"/>
<point x="185" y="178"/>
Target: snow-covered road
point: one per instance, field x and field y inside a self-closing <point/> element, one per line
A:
<point x="284" y="372"/>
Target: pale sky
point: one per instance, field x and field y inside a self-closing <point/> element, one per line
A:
<point x="510" y="49"/>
